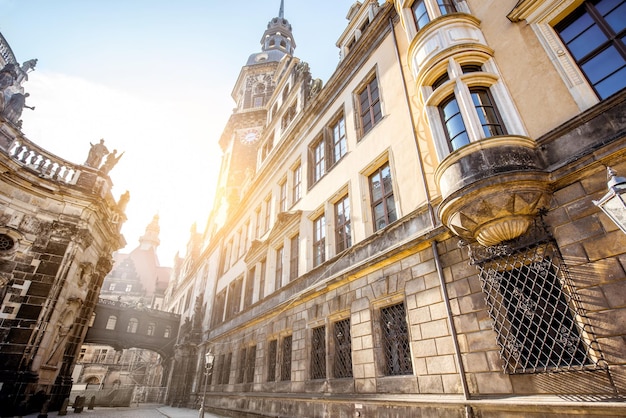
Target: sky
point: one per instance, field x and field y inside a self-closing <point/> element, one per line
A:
<point x="153" y="78"/>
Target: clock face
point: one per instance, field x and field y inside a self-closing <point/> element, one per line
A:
<point x="250" y="137"/>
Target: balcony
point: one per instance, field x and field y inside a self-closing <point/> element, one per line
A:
<point x="492" y="189"/>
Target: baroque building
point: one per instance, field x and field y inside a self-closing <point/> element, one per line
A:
<point x="418" y="235"/>
<point x="59" y="225"/>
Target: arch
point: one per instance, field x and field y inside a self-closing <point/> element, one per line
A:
<point x="133" y="324"/>
<point x="92" y="380"/>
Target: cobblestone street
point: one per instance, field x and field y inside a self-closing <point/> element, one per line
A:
<point x="140" y="411"/>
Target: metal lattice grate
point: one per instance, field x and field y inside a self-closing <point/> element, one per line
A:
<point x="250" y="363"/>
<point x="271" y="360"/>
<point x="534" y="309"/>
<point x="285" y="365"/>
<point x="242" y="365"/>
<point x="318" y="353"/>
<point x="342" y="364"/>
<point x="225" y="378"/>
<point x="395" y="340"/>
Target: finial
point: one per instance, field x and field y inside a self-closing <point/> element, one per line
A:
<point x="281" y="12"/>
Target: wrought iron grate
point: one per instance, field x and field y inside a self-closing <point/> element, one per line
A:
<point x="285" y="365"/>
<point x="535" y="310"/>
<point x="318" y="353"/>
<point x="271" y="360"/>
<point x="225" y="378"/>
<point x="250" y="363"/>
<point x="395" y="340"/>
<point x="242" y="365"/>
<point x="342" y="362"/>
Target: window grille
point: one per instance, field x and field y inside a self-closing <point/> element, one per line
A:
<point x="285" y="366"/>
<point x="242" y="365"/>
<point x="534" y="307"/>
<point x="225" y="378"/>
<point x="271" y="360"/>
<point x="250" y="363"/>
<point x="342" y="362"/>
<point x="318" y="353"/>
<point x="395" y="340"/>
<point x="6" y="242"/>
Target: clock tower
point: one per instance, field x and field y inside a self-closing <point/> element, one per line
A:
<point x="253" y="93"/>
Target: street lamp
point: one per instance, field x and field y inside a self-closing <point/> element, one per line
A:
<point x="208" y="365"/>
<point x="613" y="203"/>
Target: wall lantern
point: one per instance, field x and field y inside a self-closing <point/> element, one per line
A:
<point x="613" y="203"/>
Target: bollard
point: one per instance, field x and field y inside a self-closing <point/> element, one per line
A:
<point x="79" y="404"/>
<point x="44" y="410"/>
<point x="63" y="410"/>
<point x="92" y="403"/>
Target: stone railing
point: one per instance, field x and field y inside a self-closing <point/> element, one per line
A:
<point x="6" y="53"/>
<point x="46" y="164"/>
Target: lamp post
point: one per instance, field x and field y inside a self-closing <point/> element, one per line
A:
<point x="613" y="203"/>
<point x="208" y="366"/>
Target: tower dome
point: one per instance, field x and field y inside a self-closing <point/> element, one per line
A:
<point x="278" y="34"/>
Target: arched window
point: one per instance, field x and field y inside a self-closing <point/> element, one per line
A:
<point x="132" y="325"/>
<point x="111" y="322"/>
<point x="167" y="332"/>
<point x="151" y="329"/>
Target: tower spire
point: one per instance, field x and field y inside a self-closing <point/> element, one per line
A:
<point x="281" y="11"/>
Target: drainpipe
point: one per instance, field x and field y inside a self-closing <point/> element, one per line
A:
<point x="469" y="413"/>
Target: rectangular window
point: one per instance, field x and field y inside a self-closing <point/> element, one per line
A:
<point x="278" y="280"/>
<point x="318" y="160"/>
<point x="243" y="242"/>
<point x="342" y="361"/>
<point x="420" y="14"/>
<point x="271" y="360"/>
<point x="319" y="240"/>
<point x="129" y="287"/>
<point x="343" y="236"/>
<point x="242" y="365"/>
<point x="533" y="314"/>
<point x="454" y="126"/>
<point x="395" y="340"/>
<point x="259" y="226"/>
<point x="381" y="193"/>
<point x="250" y="363"/>
<point x="318" y="353"/>
<point x="594" y="35"/>
<point x="297" y="184"/>
<point x="268" y="214"/>
<point x="446" y="7"/>
<point x="218" y="308"/>
<point x="282" y="199"/>
<point x="370" y="111"/>
<point x="339" y="145"/>
<point x="247" y="299"/>
<point x="294" y="257"/>
<point x="262" y="279"/>
<point x="285" y="364"/>
<point x="225" y="378"/>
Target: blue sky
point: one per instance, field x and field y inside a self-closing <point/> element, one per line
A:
<point x="153" y="78"/>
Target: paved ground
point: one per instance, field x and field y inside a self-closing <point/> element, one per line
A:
<point x="140" y="411"/>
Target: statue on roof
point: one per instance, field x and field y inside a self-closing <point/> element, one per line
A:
<point x="110" y="162"/>
<point x="14" y="107"/>
<point x="96" y="154"/>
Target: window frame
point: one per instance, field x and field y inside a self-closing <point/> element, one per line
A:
<point x="343" y="228"/>
<point x="319" y="239"/>
<point x="384" y="197"/>
<point x="362" y="112"/>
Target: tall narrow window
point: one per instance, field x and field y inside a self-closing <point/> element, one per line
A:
<point x="319" y="240"/>
<point x="294" y="257"/>
<point x="420" y="14"/>
<point x="370" y="110"/>
<point x="243" y="242"/>
<point x="278" y="280"/>
<point x="247" y="299"/>
<point x="250" y="362"/>
<point x="343" y="237"/>
<point x="151" y="329"/>
<point x="594" y="34"/>
<point x="318" y="353"/>
<point x="454" y="126"/>
<point x="285" y="364"/>
<point x="381" y="191"/>
<point x="297" y="183"/>
<point x="133" y="323"/>
<point x="263" y="268"/>
<point x="446" y="7"/>
<point x="282" y="197"/>
<point x="268" y="214"/>
<point x="259" y="226"/>
<point x="395" y="340"/>
<point x="242" y="365"/>
<point x="318" y="152"/>
<point x="111" y="322"/>
<point x="487" y="112"/>
<point x="339" y="140"/>
<point x="272" y="352"/>
<point x="226" y="369"/>
<point x="342" y="361"/>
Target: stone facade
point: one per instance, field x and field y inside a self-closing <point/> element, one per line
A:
<point x="420" y="238"/>
<point x="59" y="225"/>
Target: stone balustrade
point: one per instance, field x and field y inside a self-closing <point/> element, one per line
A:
<point x="43" y="162"/>
<point x="5" y="52"/>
